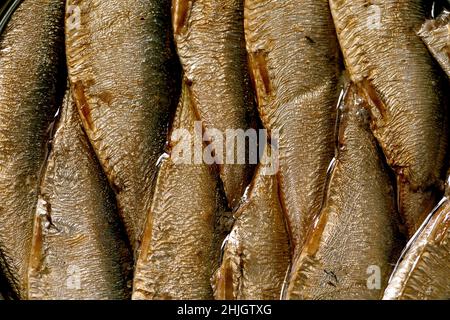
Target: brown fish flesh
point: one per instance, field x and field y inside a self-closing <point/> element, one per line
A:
<point x="404" y="88"/>
<point x="124" y="77"/>
<point x="210" y="41"/>
<point x="257" y="253"/>
<point x="78" y="247"/>
<point x="436" y="35"/>
<point x="186" y="224"/>
<point x="32" y="82"/>
<point x="350" y="251"/>
<point x="423" y="273"/>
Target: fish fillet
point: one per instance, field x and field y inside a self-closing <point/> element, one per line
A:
<point x="350" y="251"/>
<point x="185" y="226"/>
<point x="257" y="253"/>
<point x="436" y="35"/>
<point x="124" y="77"/>
<point x="390" y="63"/>
<point x="78" y="247"/>
<point x="424" y="273"/>
<point x="294" y="63"/>
<point x="210" y="42"/>
<point x="32" y="84"/>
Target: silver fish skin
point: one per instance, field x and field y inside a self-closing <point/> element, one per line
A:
<point x="350" y="251"/>
<point x="32" y="84"/>
<point x="293" y="54"/>
<point x="405" y="90"/>
<point x="79" y="248"/>
<point x="124" y="76"/>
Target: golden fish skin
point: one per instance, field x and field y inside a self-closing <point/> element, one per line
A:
<point x="32" y="83"/>
<point x="436" y="35"/>
<point x="423" y="273"/>
<point x="124" y="77"/>
<point x="79" y="249"/>
<point x="355" y="233"/>
<point x="185" y="226"/>
<point x="404" y="88"/>
<point x="257" y="251"/>
<point x="293" y="56"/>
<point x="209" y="35"/>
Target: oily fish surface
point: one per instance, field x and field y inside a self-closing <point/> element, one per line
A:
<point x="32" y="83"/>
<point x="351" y="250"/>
<point x="293" y="60"/>
<point x="186" y="224"/>
<point x="436" y="35"/>
<point x="404" y="87"/>
<point x="210" y="42"/>
<point x="257" y="252"/>
<point x="124" y="78"/>
<point x="423" y="272"/>
<point x="79" y="250"/>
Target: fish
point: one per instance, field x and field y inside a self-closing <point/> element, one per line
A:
<point x="32" y="85"/>
<point x="355" y="241"/>
<point x="404" y="87"/>
<point x="187" y="222"/>
<point x="209" y="37"/>
<point x="257" y="252"/>
<point x="6" y="10"/>
<point x="435" y="34"/>
<point x="79" y="248"/>
<point x="124" y="76"/>
<point x="294" y="62"/>
<point x="422" y="273"/>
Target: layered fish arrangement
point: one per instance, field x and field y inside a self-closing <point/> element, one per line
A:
<point x="233" y="149"/>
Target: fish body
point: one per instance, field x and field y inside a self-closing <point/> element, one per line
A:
<point x="389" y="62"/>
<point x="79" y="248"/>
<point x="257" y="252"/>
<point x="350" y="251"/>
<point x="32" y="84"/>
<point x="293" y="56"/>
<point x="124" y="77"/>
<point x="186" y="224"/>
<point x="423" y="272"/>
<point x="210" y="42"/>
<point x="436" y="35"/>
<point x="6" y="10"/>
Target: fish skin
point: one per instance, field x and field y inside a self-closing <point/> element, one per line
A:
<point x="124" y="76"/>
<point x="185" y="226"/>
<point x="32" y="84"/>
<point x="257" y="253"/>
<point x="423" y="272"/>
<point x="293" y="55"/>
<point x="436" y="36"/>
<point x="211" y="45"/>
<point x="357" y="227"/>
<point x="7" y="9"/>
<point x="77" y="233"/>
<point x="408" y="108"/>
